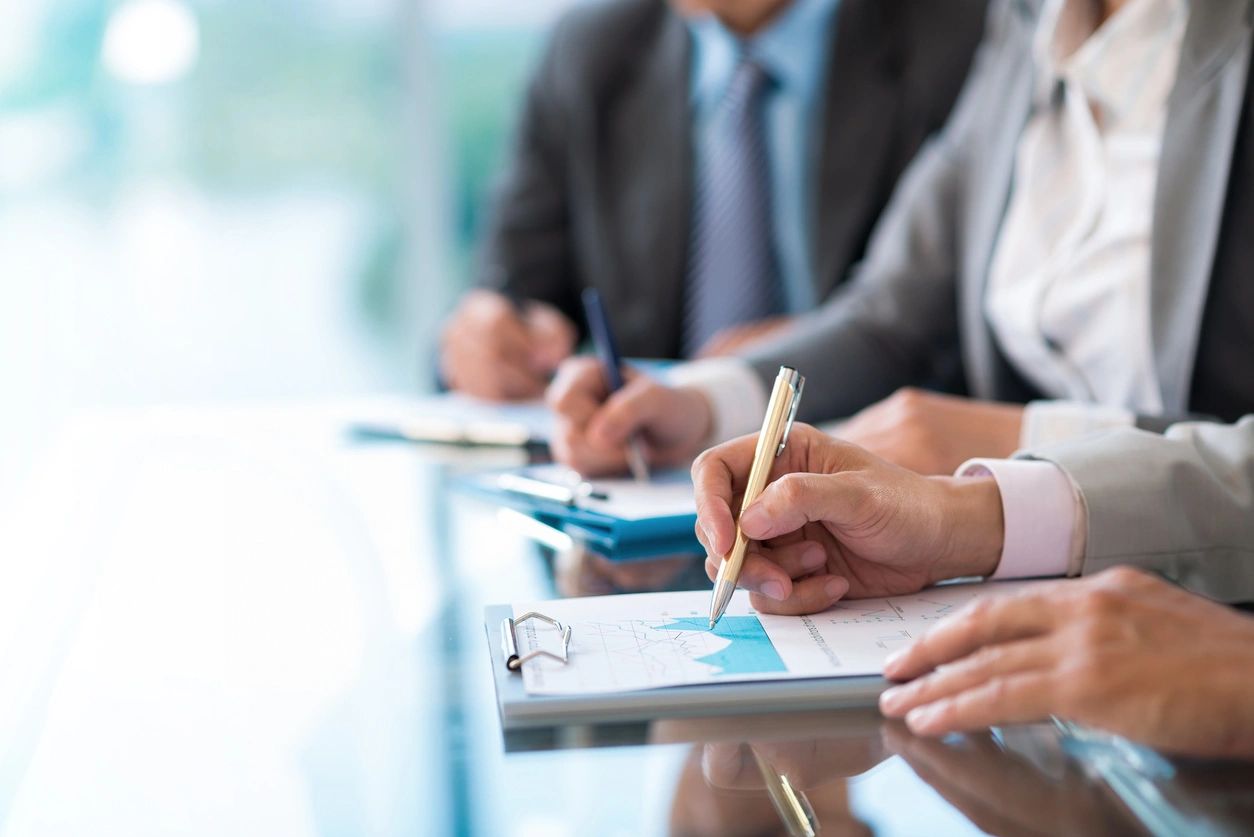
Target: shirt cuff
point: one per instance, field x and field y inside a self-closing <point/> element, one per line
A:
<point x="736" y="394"/>
<point x="1049" y="422"/>
<point x="1040" y="507"/>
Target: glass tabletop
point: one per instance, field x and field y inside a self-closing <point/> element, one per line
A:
<point x="240" y="621"/>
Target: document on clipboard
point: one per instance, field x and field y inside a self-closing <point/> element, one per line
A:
<point x="648" y="655"/>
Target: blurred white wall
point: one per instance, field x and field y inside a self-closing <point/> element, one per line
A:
<point x="216" y="200"/>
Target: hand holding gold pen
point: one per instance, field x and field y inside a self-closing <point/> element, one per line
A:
<point x="781" y="410"/>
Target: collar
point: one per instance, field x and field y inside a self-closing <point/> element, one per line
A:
<point x="1070" y="45"/>
<point x="792" y="49"/>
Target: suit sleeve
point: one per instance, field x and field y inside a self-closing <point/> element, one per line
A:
<point x="883" y="328"/>
<point x="1181" y="504"/>
<point x="526" y="251"/>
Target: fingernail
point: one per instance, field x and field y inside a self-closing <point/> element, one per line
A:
<point x="890" y="700"/>
<point x="894" y="659"/>
<point x="709" y="539"/>
<point x="813" y="558"/>
<point x="835" y="588"/>
<point x="754" y="518"/>
<point x="921" y="717"/>
<point x="773" y="590"/>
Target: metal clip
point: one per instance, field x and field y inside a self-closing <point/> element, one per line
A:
<point x="798" y="383"/>
<point x="509" y="641"/>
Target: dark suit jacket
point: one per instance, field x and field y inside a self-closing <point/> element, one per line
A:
<point x="599" y="189"/>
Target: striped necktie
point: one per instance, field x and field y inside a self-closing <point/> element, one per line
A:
<point x="733" y="276"/>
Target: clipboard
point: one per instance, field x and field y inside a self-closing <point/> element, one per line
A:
<point x="592" y="517"/>
<point x="520" y="710"/>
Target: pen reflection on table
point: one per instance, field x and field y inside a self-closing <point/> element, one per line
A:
<point x="786" y="787"/>
<point x="612" y="364"/>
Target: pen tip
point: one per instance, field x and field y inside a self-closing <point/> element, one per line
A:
<point x="713" y="621"/>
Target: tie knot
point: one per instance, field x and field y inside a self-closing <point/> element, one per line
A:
<point x="748" y="82"/>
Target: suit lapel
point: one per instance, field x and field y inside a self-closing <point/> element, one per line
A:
<point x="991" y="175"/>
<point x="646" y="183"/>
<point x="1202" y="116"/>
<point x="854" y="146"/>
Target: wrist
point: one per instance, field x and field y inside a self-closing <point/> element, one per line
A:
<point x="974" y="527"/>
<point x="700" y="411"/>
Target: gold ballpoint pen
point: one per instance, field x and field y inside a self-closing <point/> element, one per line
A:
<point x="780" y="412"/>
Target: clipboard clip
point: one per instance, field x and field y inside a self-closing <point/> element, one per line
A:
<point x="509" y="641"/>
<point x="798" y="383"/>
<point x="538" y="489"/>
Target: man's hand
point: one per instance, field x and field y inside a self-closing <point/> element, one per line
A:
<point x="593" y="427"/>
<point x="932" y="433"/>
<point x="491" y="349"/>
<point x="1001" y="791"/>
<point x="731" y="340"/>
<point x="1121" y="651"/>
<point x="838" y="521"/>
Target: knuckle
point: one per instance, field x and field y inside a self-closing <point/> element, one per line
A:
<point x="1101" y="603"/>
<point x="702" y="463"/>
<point x="986" y="658"/>
<point x="997" y="689"/>
<point x="792" y="489"/>
<point x="1125" y="576"/>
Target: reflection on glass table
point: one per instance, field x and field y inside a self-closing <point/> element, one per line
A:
<point x="233" y="621"/>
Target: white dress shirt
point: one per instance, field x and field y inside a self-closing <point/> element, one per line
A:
<point x="1068" y="296"/>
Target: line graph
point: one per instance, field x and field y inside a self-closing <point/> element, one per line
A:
<point x="895" y="609"/>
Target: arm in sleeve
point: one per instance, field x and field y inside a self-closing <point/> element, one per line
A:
<point x="1181" y="504"/>
<point x="526" y="249"/>
<point x="899" y="309"/>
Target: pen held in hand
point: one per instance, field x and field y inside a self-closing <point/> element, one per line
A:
<point x="780" y="412"/>
<point x="612" y="365"/>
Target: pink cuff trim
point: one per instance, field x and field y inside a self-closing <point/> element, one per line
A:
<point x="1040" y="512"/>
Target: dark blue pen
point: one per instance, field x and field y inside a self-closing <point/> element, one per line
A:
<point x="612" y="365"/>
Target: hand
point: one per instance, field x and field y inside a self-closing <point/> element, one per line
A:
<point x="733" y="765"/>
<point x="593" y="427"/>
<point x="491" y="350"/>
<point x="1002" y="792"/>
<point x="731" y="340"/>
<point x="837" y="521"/>
<point x="932" y="433"/>
<point x="1121" y="651"/>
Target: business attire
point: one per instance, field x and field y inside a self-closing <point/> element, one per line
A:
<point x="1072" y="233"/>
<point x="624" y="157"/>
<point x="1180" y="503"/>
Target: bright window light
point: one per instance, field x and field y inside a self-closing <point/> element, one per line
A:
<point x="151" y="41"/>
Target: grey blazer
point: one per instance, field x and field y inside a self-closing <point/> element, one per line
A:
<point x="1182" y="505"/>
<point x="918" y="295"/>
<point x="598" y="188"/>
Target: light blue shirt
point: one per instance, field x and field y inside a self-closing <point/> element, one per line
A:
<point x="793" y="49"/>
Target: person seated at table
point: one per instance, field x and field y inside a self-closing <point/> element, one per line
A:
<point x="712" y="166"/>
<point x="1077" y="234"/>
<point x="1120" y="650"/>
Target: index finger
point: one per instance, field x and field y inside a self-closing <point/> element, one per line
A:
<point x="714" y="477"/>
<point x="577" y="391"/>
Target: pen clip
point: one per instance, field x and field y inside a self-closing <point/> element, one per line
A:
<point x="798" y="384"/>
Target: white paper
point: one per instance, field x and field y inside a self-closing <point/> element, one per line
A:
<point x="668" y="494"/>
<point x="656" y="640"/>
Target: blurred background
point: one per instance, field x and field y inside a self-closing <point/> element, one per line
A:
<point x="220" y="200"/>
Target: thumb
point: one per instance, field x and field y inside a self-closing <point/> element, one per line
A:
<point x="797" y="499"/>
<point x="552" y="335"/>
